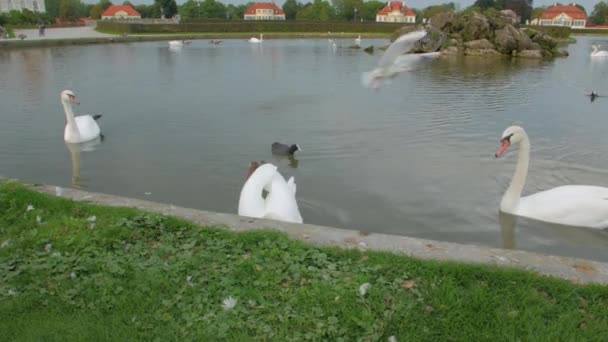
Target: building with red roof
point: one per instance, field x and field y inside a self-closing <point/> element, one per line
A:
<point x="396" y="12"/>
<point x="120" y="12"/>
<point x="264" y="11"/>
<point x="562" y="15"/>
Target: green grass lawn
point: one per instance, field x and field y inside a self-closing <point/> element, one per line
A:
<point x="74" y="271"/>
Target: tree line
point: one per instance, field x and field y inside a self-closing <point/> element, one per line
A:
<point x="71" y="10"/>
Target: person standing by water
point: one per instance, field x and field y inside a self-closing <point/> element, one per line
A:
<point x="41" y="27"/>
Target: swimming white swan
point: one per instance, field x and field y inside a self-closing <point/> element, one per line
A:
<point x="280" y="203"/>
<point x="573" y="205"/>
<point x="597" y="52"/>
<point x="176" y="43"/>
<point x="386" y="66"/>
<point x="255" y="40"/>
<point x="358" y="41"/>
<point x="81" y="128"/>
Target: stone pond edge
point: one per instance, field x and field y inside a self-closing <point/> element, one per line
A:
<point x="575" y="270"/>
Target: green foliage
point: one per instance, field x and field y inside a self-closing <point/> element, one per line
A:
<point x="52" y="8"/>
<point x="370" y="9"/>
<point x="22" y="18"/>
<point x="85" y="272"/>
<point x="236" y="12"/>
<point x="318" y="10"/>
<point x="537" y="12"/>
<point x="291" y="8"/>
<point x="96" y="11"/>
<point x="345" y="9"/>
<point x="559" y="32"/>
<point x="149" y="11"/>
<point x="599" y="16"/>
<point x="431" y="11"/>
<point x="168" y="7"/>
<point x="68" y="10"/>
<point x="205" y="9"/>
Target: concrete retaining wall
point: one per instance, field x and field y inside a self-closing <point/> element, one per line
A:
<point x="573" y="269"/>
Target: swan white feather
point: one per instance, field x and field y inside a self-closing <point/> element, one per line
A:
<point x="77" y="129"/>
<point x="256" y="40"/>
<point x="597" y="52"/>
<point x="280" y="203"/>
<point x="387" y="68"/>
<point x="572" y="205"/>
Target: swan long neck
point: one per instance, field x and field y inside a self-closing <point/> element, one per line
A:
<point x="69" y="116"/>
<point x="510" y="200"/>
<point x="594" y="47"/>
<point x="251" y="202"/>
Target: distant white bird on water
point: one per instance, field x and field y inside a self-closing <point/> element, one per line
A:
<point x="255" y="40"/>
<point x="597" y="52"/>
<point x="358" y="41"/>
<point x="387" y="66"/>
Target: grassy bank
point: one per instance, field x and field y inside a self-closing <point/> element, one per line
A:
<point x="76" y="271"/>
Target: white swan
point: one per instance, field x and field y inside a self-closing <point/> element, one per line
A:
<point x="572" y="205"/>
<point x="280" y="203"/>
<point x="255" y="40"/>
<point x="358" y="41"/>
<point x="81" y="128"/>
<point x="176" y="43"/>
<point x="597" y="52"/>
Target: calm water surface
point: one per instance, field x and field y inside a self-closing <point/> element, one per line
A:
<point x="416" y="158"/>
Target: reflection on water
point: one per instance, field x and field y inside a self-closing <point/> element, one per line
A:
<point x="415" y="158"/>
<point x="76" y="150"/>
<point x="507" y="228"/>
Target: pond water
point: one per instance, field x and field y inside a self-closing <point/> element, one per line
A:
<point x="415" y="158"/>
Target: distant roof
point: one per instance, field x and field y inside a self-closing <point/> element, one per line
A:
<point x="263" y="5"/>
<point x="571" y="10"/>
<point x="392" y="6"/>
<point x="112" y="10"/>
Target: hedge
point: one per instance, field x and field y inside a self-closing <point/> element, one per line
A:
<point x="251" y="26"/>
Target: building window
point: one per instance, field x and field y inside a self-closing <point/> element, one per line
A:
<point x="35" y="6"/>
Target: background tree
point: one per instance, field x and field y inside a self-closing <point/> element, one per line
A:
<point x="345" y="9"/>
<point x="537" y="12"/>
<point x="52" y="8"/>
<point x="318" y="10"/>
<point x="370" y="9"/>
<point x="237" y="12"/>
<point x="168" y="7"/>
<point x="291" y="8"/>
<point x="213" y="9"/>
<point x="68" y="10"/>
<point x="599" y="15"/>
<point x="127" y="3"/>
<point x="433" y="10"/>
<point x="190" y="9"/>
<point x="523" y="8"/>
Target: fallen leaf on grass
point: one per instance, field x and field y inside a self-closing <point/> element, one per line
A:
<point x="429" y="309"/>
<point x="408" y="284"/>
<point x="583" y="326"/>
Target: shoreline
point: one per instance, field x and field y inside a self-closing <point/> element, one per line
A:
<point x="576" y="270"/>
<point x="26" y="43"/>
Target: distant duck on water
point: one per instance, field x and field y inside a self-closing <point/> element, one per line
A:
<point x="285" y="150"/>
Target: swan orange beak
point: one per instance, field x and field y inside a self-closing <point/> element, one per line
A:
<point x="504" y="145"/>
<point x="74" y="100"/>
